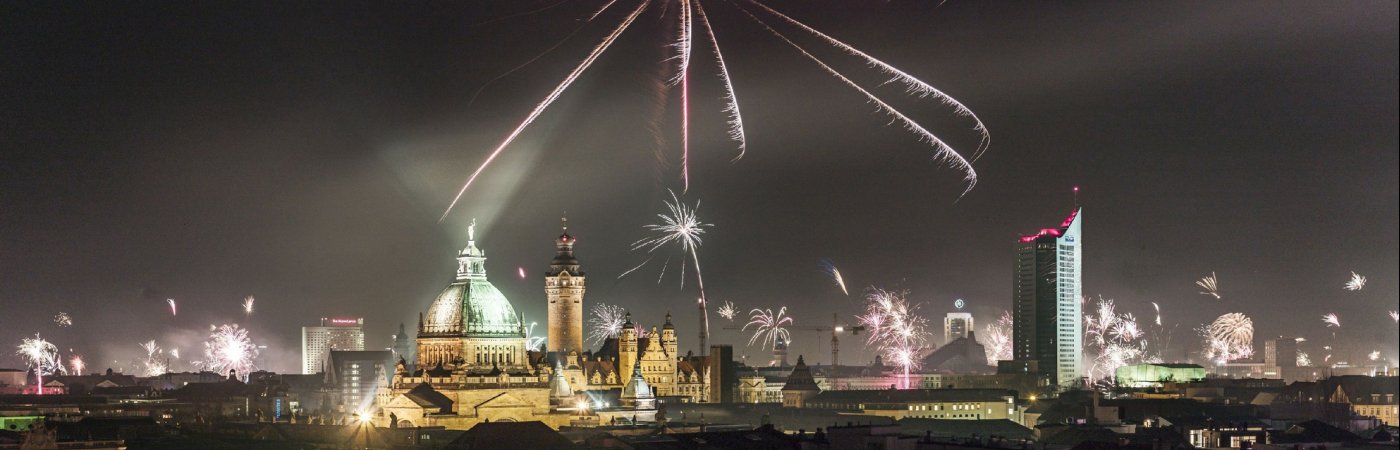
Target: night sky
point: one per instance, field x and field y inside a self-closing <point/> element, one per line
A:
<point x="302" y="153"/>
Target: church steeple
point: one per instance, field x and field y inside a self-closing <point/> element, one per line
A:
<point x="564" y="286"/>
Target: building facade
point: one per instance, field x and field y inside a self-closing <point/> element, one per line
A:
<point x="564" y="286"/>
<point x="956" y="325"/>
<point x="1047" y="335"/>
<point x="334" y="334"/>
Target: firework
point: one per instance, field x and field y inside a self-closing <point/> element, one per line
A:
<point x="835" y="274"/>
<point x="1209" y="284"/>
<point x="41" y="357"/>
<point x="682" y="227"/>
<point x="1158" y="310"/>
<point x="1356" y="283"/>
<point x="1395" y="316"/>
<point x="768" y="326"/>
<point x="1302" y="360"/>
<point x="228" y="349"/>
<point x="684" y="45"/>
<point x="896" y="330"/>
<point x="1113" y="339"/>
<point x="521" y="272"/>
<point x="171" y="302"/>
<point x="533" y="343"/>
<point x="728" y="311"/>
<point x="62" y="319"/>
<point x="1374" y="356"/>
<point x="1331" y="320"/>
<point x="1229" y="337"/>
<point x="996" y="338"/>
<point x="606" y="322"/>
<point x="175" y="353"/>
<point x="76" y="365"/>
<point x="153" y="364"/>
<point x="248" y="305"/>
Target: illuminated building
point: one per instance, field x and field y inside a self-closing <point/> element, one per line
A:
<point x="333" y="334"/>
<point x="564" y="288"/>
<point x="956" y="325"/>
<point x="1047" y="334"/>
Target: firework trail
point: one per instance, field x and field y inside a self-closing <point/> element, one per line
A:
<point x="520" y="271"/>
<point x="942" y="151"/>
<point x="682" y="228"/>
<point x="1229" y="337"/>
<point x="684" y="80"/>
<point x="768" y="327"/>
<point x="171" y="302"/>
<point x="1158" y="310"/>
<point x="1210" y="286"/>
<point x="1356" y="283"/>
<point x="76" y="365"/>
<point x="835" y="274"/>
<point x="606" y="322"/>
<point x="533" y="343"/>
<point x="62" y="319"/>
<point x="1331" y="320"/>
<point x="152" y="364"/>
<point x="996" y="338"/>
<point x="736" y="121"/>
<point x="912" y="85"/>
<point x="549" y="99"/>
<point x="1113" y="339"/>
<point x="1395" y="316"/>
<point x="41" y="357"/>
<point x="229" y="349"/>
<point x="897" y="332"/>
<point x="248" y="305"/>
<point x="1160" y="339"/>
<point x="728" y="311"/>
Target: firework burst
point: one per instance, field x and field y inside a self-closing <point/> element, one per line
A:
<point x="681" y="227"/>
<point x="1210" y="286"/>
<point x="996" y="338"/>
<point x="1331" y="320"/>
<point x="1113" y="339"/>
<point x="896" y="330"/>
<point x="1229" y="337"/>
<point x="534" y="343"/>
<point x="683" y="43"/>
<point x="1374" y="356"/>
<point x="62" y="319"/>
<point x="1356" y="283"/>
<point x="1395" y="316"/>
<point x="41" y="357"/>
<point x="830" y="269"/>
<point x="229" y="349"/>
<point x="171" y="303"/>
<point x="1303" y="360"/>
<point x="248" y="305"/>
<point x="768" y="327"/>
<point x="153" y="364"/>
<point x="606" y="322"/>
<point x="76" y="365"/>
<point x="728" y="311"/>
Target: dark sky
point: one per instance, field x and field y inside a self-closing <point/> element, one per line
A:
<point x="302" y="153"/>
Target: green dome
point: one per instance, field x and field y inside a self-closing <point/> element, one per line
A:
<point x="471" y="306"/>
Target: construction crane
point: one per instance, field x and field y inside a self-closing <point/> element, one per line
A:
<point x="836" y="329"/>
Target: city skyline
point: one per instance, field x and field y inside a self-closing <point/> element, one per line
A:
<point x="311" y="173"/>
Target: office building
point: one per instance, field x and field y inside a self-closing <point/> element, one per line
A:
<point x="1047" y="335"/>
<point x="956" y="325"/>
<point x="344" y="334"/>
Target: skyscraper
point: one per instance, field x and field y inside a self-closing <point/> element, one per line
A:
<point x="333" y="334"/>
<point x="564" y="287"/>
<point x="1047" y="334"/>
<point x="956" y="325"/>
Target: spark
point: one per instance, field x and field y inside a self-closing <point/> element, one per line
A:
<point x="1113" y="339"/>
<point x="549" y="99"/>
<point x="171" y="302"/>
<point x="1374" y="356"/>
<point x="896" y="330"/>
<point x="1210" y="286"/>
<point x="736" y="121"/>
<point x="1229" y="337"/>
<point x="1302" y="360"/>
<point x="942" y="151"/>
<point x="606" y="322"/>
<point x="175" y="353"/>
<point x="62" y="319"/>
<point x="912" y="85"/>
<point x="76" y="365"/>
<point x="1158" y="309"/>
<point x="768" y="327"/>
<point x="152" y="364"/>
<point x="228" y="349"/>
<point x="520" y="271"/>
<point x="728" y="311"/>
<point x="1331" y="320"/>
<point x="1395" y="316"/>
<point x="533" y="343"/>
<point x="996" y="338"/>
<point x="1356" y="283"/>
<point x="41" y="357"/>
<point x="682" y="227"/>
<point x="835" y="274"/>
<point x="248" y="305"/>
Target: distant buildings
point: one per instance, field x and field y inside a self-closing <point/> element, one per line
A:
<point x="1047" y="335"/>
<point x="333" y="334"/>
<point x="1155" y="375"/>
<point x="956" y="325"/>
<point x="356" y="376"/>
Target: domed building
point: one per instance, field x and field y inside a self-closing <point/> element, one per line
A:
<point x="471" y="325"/>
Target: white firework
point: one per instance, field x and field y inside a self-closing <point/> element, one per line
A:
<point x="1112" y="339"/>
<point x="1356" y="283"/>
<point x="1374" y="356"/>
<point x="76" y="365"/>
<point x="41" y="357"/>
<point x="1229" y="337"/>
<point x="153" y="364"/>
<point x="728" y="311"/>
<point x="996" y="338"/>
<point x="606" y="322"/>
<point x="1331" y="320"/>
<point x="248" y="305"/>
<point x="681" y="227"/>
<point x="896" y="329"/>
<point x="835" y="274"/>
<point x="1210" y="285"/>
<point x="533" y="343"/>
<point x="229" y="349"/>
<point x="62" y="319"/>
<point x="1395" y="316"/>
<point x="1303" y="360"/>
<point x="768" y="326"/>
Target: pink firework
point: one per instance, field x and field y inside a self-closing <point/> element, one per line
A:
<point x="896" y="330"/>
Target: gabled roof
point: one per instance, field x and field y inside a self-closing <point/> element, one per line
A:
<point x="425" y="396"/>
<point x="519" y="435"/>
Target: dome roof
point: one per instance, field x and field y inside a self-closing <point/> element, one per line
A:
<point x="471" y="306"/>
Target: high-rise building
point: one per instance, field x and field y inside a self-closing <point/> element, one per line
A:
<point x="403" y="345"/>
<point x="333" y="334"/>
<point x="1047" y="335"/>
<point x="564" y="288"/>
<point x="956" y="325"/>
